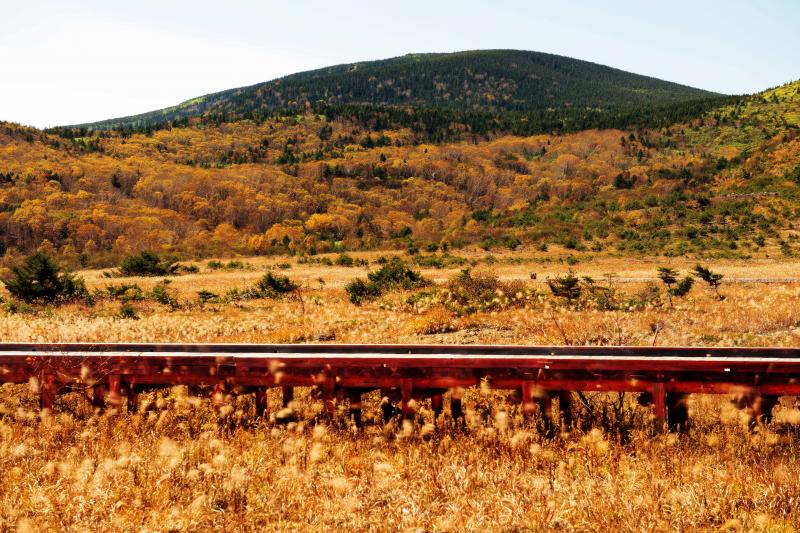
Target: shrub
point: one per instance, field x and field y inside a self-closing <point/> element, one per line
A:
<point x="713" y="279"/>
<point x="683" y="287"/>
<point x="147" y="263"/>
<point x="468" y="293"/>
<point x="205" y="296"/>
<point x="274" y="286"/>
<point x="511" y="242"/>
<point x="395" y="274"/>
<point x="566" y="287"/>
<point x="214" y="265"/>
<point x="188" y="269"/>
<point x="161" y="295"/>
<point x="123" y="291"/>
<point x="41" y="280"/>
<point x="794" y="175"/>
<point x="621" y="181"/>
<point x="345" y="260"/>
<point x="669" y="277"/>
<point x="360" y="291"/>
<point x="127" y="312"/>
<point x="438" y="261"/>
<point x="600" y="297"/>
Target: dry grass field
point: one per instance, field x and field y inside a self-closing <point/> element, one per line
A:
<point x="175" y="467"/>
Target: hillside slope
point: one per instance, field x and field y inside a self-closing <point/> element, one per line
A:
<point x="724" y="183"/>
<point x="484" y="80"/>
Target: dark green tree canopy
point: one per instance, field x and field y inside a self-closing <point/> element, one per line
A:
<point x="39" y="279"/>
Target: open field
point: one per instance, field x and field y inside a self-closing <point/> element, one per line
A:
<point x="176" y="468"/>
<point x="753" y="313"/>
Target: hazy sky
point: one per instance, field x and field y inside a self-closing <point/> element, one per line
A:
<point x="68" y="62"/>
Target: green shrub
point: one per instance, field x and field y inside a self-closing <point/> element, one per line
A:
<point x="274" y="286"/>
<point x="205" y="296"/>
<point x="438" y="261"/>
<point x="147" y="263"/>
<point x="683" y="287"/>
<point x="713" y="279"/>
<point x="345" y="260"/>
<point x="621" y="181"/>
<point x="511" y="242"/>
<point x="123" y="291"/>
<point x="395" y="274"/>
<point x="566" y="287"/>
<point x="127" y="312"/>
<point x="160" y="294"/>
<point x="360" y="291"/>
<point x="214" y="265"/>
<point x="39" y="279"/>
<point x="794" y="175"/>
<point x="188" y="269"/>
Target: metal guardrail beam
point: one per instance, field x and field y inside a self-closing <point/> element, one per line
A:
<point x="345" y="371"/>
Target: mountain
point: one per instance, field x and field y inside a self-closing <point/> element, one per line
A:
<point x="482" y="81"/>
<point x="723" y="182"/>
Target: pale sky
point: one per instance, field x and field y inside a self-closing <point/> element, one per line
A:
<point x="85" y="60"/>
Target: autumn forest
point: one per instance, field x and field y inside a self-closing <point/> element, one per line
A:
<point x="725" y="183"/>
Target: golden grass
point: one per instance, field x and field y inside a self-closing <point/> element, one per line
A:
<point x="175" y="468"/>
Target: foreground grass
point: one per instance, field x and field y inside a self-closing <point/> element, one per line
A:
<point x="176" y="469"/>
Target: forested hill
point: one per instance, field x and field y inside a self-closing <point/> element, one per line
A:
<point x="726" y="182"/>
<point x="484" y="81"/>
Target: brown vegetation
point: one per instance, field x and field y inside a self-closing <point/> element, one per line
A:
<point x="174" y="466"/>
<point x="281" y="186"/>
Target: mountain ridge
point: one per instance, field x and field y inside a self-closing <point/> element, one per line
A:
<point x="475" y="80"/>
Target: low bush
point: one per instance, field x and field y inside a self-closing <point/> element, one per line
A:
<point x="205" y="296"/>
<point x="712" y="279"/>
<point x="162" y="295"/>
<point x="468" y="293"/>
<point x="567" y="287"/>
<point x="147" y="263"/>
<point x="123" y="291"/>
<point x="584" y="292"/>
<point x="127" y="312"/>
<point x="274" y="286"/>
<point x="394" y="274"/>
<point x="438" y="261"/>
<point x="39" y="279"/>
<point x="345" y="260"/>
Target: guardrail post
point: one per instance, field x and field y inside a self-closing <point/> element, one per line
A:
<point x="659" y="392"/>
<point x="456" y="406"/>
<point x="354" y="395"/>
<point x="437" y="405"/>
<point x="47" y="392"/>
<point x="677" y="411"/>
<point x="329" y="396"/>
<point x="528" y="403"/>
<point x="133" y="397"/>
<point x="288" y="395"/>
<point x="115" y="390"/>
<point x="262" y="404"/>
<point x="407" y="392"/>
<point x="565" y="406"/>
<point x="99" y="393"/>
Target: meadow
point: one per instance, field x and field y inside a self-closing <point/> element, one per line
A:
<point x="173" y="466"/>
